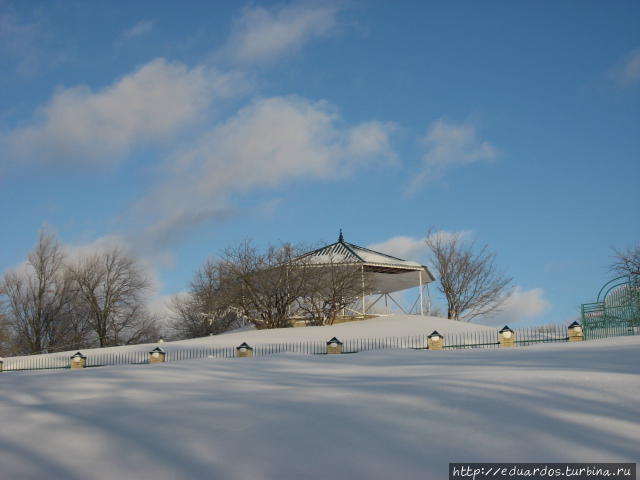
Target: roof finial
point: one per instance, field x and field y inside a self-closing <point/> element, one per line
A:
<point x="341" y="238"/>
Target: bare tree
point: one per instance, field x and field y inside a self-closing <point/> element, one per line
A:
<point x="468" y="277"/>
<point x="37" y="299"/>
<point x="204" y="310"/>
<point x="263" y="286"/>
<point x="6" y="340"/>
<point x="111" y="289"/>
<point x="328" y="289"/>
<point x="626" y="262"/>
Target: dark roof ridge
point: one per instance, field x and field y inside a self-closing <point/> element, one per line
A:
<point x="377" y="253"/>
<point x="348" y="247"/>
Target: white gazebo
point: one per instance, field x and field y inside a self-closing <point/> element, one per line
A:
<point x="384" y="274"/>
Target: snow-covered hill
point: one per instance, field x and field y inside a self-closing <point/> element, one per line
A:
<point x="381" y="327"/>
<point x="385" y="414"/>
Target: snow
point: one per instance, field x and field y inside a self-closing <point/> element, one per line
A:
<point x="373" y="415"/>
<point x="331" y="258"/>
<point x="386" y="326"/>
<point x="380" y="327"/>
<point x="337" y="253"/>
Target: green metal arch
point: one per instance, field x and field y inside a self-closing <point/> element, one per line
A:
<point x="622" y="280"/>
<point x="617" y="306"/>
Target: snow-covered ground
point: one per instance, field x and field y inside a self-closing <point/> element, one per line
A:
<point x="386" y="326"/>
<point x="384" y="414"/>
<point x="381" y="327"/>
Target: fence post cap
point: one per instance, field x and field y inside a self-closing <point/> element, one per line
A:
<point x="434" y="334"/>
<point x="78" y="355"/>
<point x="574" y="325"/>
<point x="334" y="340"/>
<point x="505" y="329"/>
<point x="245" y="346"/>
<point x="157" y="351"/>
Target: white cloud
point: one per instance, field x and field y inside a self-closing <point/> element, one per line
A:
<point x="446" y="236"/>
<point x="76" y="252"/>
<point x="159" y="306"/>
<point x="160" y="98"/>
<point x="628" y="73"/>
<point x="73" y="253"/>
<point x="265" y="144"/>
<point x="371" y="138"/>
<point x="152" y="103"/>
<point x="261" y="34"/>
<point x="447" y="146"/>
<point x="412" y="248"/>
<point x="407" y="248"/>
<point x="520" y="305"/>
<point x="140" y="29"/>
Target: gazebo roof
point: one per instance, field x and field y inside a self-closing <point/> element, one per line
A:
<point x="373" y="262"/>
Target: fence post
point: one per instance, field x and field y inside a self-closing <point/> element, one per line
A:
<point x="1" y="364"/>
<point x="244" y="350"/>
<point x="435" y="341"/>
<point x="334" y="346"/>
<point x="507" y="337"/>
<point x="575" y="332"/>
<point x="157" y="355"/>
<point x="78" y="360"/>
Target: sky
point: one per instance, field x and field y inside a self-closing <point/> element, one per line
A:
<point x="177" y="129"/>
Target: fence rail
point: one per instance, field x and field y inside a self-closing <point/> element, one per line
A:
<point x="468" y="340"/>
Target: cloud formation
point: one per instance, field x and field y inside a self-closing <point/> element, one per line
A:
<point x="262" y="35"/>
<point x="74" y="253"/>
<point x="157" y="303"/>
<point x="263" y="145"/>
<point x="407" y="248"/>
<point x="520" y="305"/>
<point x="448" y="146"/>
<point x="412" y="248"/>
<point x="267" y="143"/>
<point x="100" y="245"/>
<point x="151" y="103"/>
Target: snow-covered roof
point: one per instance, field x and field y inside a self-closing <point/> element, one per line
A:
<point x="342" y="252"/>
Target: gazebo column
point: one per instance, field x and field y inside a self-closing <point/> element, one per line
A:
<point x="421" y="300"/>
<point x="364" y="308"/>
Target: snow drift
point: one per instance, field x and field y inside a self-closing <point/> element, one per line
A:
<point x="384" y="414"/>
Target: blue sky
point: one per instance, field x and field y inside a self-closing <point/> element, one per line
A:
<point x="179" y="128"/>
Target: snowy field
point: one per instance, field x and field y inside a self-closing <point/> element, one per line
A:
<point x="384" y="414"/>
<point x="386" y="326"/>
